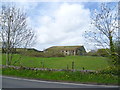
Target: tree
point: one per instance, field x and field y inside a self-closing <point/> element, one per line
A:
<point x="102" y="52"/>
<point x="14" y="30"/>
<point x="105" y="22"/>
<point x="117" y="50"/>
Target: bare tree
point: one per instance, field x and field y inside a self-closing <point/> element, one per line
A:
<point x="15" y="32"/>
<point x="105" y="21"/>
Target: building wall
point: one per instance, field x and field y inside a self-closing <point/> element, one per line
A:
<point x="81" y="51"/>
<point x="78" y="51"/>
<point x="69" y="52"/>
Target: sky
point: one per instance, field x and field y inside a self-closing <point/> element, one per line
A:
<point x="59" y="23"/>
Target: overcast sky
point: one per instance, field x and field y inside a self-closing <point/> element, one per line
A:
<point x="59" y="23"/>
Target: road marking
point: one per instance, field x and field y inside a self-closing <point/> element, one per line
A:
<point x="31" y="80"/>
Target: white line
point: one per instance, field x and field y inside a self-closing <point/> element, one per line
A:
<point x="59" y="82"/>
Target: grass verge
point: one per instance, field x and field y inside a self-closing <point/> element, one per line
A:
<point x="78" y="77"/>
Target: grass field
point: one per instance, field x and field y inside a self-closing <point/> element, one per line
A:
<point x="88" y="62"/>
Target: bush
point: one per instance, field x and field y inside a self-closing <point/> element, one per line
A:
<point x="102" y="52"/>
<point x="42" y="54"/>
<point x="110" y="70"/>
<point x="92" y="54"/>
<point x="99" y="52"/>
<point x="35" y="53"/>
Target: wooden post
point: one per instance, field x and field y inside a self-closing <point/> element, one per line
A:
<point x="83" y="68"/>
<point x="42" y="63"/>
<point x="67" y="67"/>
<point x="73" y="65"/>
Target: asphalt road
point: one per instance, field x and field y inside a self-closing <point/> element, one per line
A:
<point x="11" y="82"/>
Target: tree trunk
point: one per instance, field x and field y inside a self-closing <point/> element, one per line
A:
<point x="8" y="43"/>
<point x="112" y="49"/>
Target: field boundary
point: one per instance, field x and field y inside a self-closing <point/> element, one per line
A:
<point x="45" y="69"/>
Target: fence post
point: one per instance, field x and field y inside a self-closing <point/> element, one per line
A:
<point x="67" y="67"/>
<point x="73" y="65"/>
<point x="42" y="63"/>
<point x="83" y="68"/>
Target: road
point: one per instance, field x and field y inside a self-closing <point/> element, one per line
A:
<point x="11" y="82"/>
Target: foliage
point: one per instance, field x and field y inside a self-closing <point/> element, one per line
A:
<point x="99" y="52"/>
<point x="103" y="52"/>
<point x="104" y="20"/>
<point x="35" y="53"/>
<point x="63" y="76"/>
<point x="14" y="30"/>
<point x="117" y="52"/>
<point x="42" y="54"/>
<point x="92" y="53"/>
<point x="110" y="70"/>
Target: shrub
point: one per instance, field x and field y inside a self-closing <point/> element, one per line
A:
<point x="99" y="52"/>
<point x="102" y="52"/>
<point x="42" y="54"/>
<point x="92" y="54"/>
<point x="35" y="53"/>
<point x="110" y="70"/>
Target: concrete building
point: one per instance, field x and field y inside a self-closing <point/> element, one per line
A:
<point x="67" y="50"/>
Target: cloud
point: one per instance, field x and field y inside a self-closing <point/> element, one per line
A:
<point x="65" y="27"/>
<point x="60" y="0"/>
<point x="58" y="24"/>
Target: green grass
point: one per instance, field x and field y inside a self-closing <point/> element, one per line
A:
<point x="88" y="62"/>
<point x="63" y="76"/>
